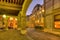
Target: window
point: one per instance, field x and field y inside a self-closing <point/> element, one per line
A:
<point x="57" y="21"/>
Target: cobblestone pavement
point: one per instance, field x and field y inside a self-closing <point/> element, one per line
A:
<point x="12" y="35"/>
<point x="36" y="35"/>
<point x="31" y="35"/>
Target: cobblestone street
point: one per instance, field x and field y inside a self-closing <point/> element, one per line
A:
<point x="42" y="36"/>
<point x="31" y="35"/>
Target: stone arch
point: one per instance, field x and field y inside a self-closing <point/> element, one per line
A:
<point x="22" y="14"/>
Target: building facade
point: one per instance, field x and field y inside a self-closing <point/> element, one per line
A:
<point x="37" y="16"/>
<point x="52" y="14"/>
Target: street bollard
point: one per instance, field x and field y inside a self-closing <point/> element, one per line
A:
<point x="23" y="32"/>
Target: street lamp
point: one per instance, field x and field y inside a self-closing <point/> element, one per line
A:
<point x="42" y="10"/>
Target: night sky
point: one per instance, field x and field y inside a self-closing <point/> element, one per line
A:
<point x="34" y="2"/>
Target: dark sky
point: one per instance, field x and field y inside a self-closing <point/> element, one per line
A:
<point x="34" y="2"/>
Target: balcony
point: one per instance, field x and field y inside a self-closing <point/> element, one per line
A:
<point x="11" y="7"/>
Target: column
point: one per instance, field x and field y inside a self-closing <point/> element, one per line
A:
<point x="22" y="19"/>
<point x="13" y="1"/>
<point x="7" y="1"/>
<point x="19" y="1"/>
<point x="10" y="1"/>
<point x="4" y="0"/>
<point x="1" y="0"/>
<point x="16" y="2"/>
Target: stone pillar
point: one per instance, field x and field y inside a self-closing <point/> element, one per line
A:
<point x="1" y="0"/>
<point x="7" y="1"/>
<point x="22" y="19"/>
<point x="10" y="1"/>
<point x="16" y="2"/>
<point x="22" y="14"/>
<point x="13" y="1"/>
<point x="4" y="0"/>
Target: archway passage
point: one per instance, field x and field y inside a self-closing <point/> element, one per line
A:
<point x="10" y="8"/>
<point x="16" y="8"/>
<point x="57" y="21"/>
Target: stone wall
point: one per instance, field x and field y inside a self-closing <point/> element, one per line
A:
<point x="52" y="8"/>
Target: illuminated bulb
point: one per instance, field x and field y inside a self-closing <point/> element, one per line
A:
<point x="4" y="16"/>
<point x="38" y="21"/>
<point x="11" y="18"/>
<point x="15" y="18"/>
<point x="42" y="10"/>
<point x="55" y="25"/>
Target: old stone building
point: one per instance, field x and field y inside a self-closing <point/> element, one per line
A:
<point x="37" y="16"/>
<point x="52" y="14"/>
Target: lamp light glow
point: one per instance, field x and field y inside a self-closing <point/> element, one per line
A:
<point x="4" y="16"/>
